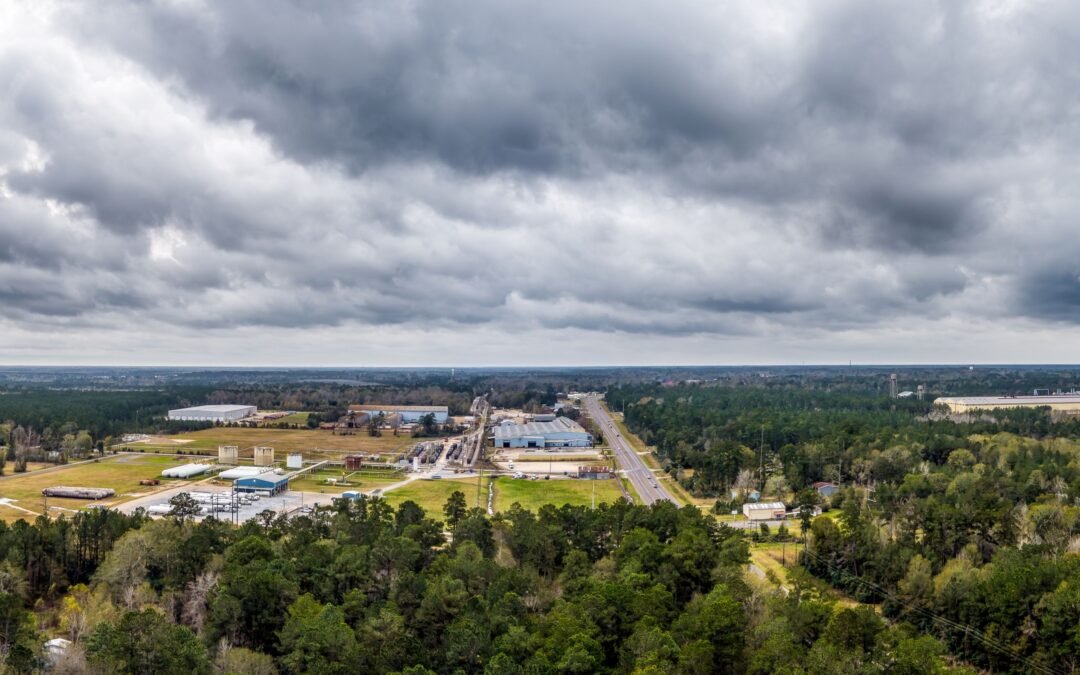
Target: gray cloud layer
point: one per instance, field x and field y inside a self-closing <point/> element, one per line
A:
<point x="653" y="169"/>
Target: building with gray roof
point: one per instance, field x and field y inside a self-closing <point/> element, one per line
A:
<point x="561" y="432"/>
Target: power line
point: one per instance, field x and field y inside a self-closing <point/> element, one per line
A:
<point x="964" y="628"/>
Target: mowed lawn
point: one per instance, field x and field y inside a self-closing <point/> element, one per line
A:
<point x="282" y="440"/>
<point x="431" y="495"/>
<point x="532" y="494"/>
<point x="121" y="473"/>
<point x="367" y="480"/>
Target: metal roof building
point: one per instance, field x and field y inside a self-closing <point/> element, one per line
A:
<point x="561" y="432"/>
<point x="409" y="413"/>
<point x="959" y="404"/>
<point x="213" y="413"/>
<point x="268" y="482"/>
<point x="765" y="511"/>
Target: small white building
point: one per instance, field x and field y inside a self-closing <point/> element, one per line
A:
<point x="764" y="511"/>
<point x="213" y="413"/>
<point x="562" y="432"/>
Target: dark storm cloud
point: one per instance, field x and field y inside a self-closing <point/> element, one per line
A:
<point x="646" y="168"/>
<point x="1050" y="293"/>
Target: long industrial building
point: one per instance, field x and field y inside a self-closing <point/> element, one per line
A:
<point x="961" y="404"/>
<point x="561" y="432"/>
<point x="213" y="413"/>
<point x="409" y="413"/>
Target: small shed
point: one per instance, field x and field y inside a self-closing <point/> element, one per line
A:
<point x="749" y="495"/>
<point x="268" y="482"/>
<point x="826" y="489"/>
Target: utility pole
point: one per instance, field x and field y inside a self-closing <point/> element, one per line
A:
<point x="761" y="460"/>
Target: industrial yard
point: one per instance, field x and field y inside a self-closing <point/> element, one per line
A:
<point x="311" y="442"/>
<point x="283" y="470"/>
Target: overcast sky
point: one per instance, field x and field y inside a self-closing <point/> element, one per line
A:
<point x="474" y="182"/>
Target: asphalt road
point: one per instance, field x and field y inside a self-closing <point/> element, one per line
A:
<point x="640" y="476"/>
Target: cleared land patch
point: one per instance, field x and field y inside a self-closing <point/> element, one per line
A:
<point x="121" y="473"/>
<point x="313" y="443"/>
<point x="364" y="481"/>
<point x="532" y="494"/>
<point x="431" y="495"/>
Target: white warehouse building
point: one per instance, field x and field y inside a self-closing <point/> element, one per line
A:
<point x="213" y="413"/>
<point x="562" y="432"/>
<point x="409" y="413"/>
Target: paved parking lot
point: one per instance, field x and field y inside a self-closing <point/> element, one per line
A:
<point x="286" y="503"/>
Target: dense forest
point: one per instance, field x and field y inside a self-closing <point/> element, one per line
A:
<point x="966" y="527"/>
<point x="364" y="587"/>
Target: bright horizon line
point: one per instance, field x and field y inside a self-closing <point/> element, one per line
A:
<point x="963" y="364"/>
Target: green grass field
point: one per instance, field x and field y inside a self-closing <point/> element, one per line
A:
<point x="365" y="481"/>
<point x="121" y="473"/>
<point x="431" y="495"/>
<point x="309" y="441"/>
<point x="532" y="494"/>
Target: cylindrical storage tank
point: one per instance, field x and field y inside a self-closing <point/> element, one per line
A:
<point x="190" y="470"/>
<point x="228" y="454"/>
<point x="175" y="471"/>
<point x="295" y="461"/>
<point x="264" y="456"/>
<point x="78" y="492"/>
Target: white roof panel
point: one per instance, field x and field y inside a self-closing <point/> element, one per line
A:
<point x="771" y="506"/>
<point x="560" y="425"/>
<point x="1011" y="400"/>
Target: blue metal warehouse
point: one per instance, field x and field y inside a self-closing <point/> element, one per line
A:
<point x="269" y="482"/>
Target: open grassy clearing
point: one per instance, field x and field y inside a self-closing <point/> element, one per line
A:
<point x="780" y="560"/>
<point x="309" y="441"/>
<point x="121" y="473"/>
<point x="532" y="494"/>
<point x="431" y="495"/>
<point x="775" y="558"/>
<point x="365" y="481"/>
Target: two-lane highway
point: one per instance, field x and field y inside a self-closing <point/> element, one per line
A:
<point x="640" y="476"/>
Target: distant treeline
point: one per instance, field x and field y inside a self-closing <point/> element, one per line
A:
<point x="102" y="413"/>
